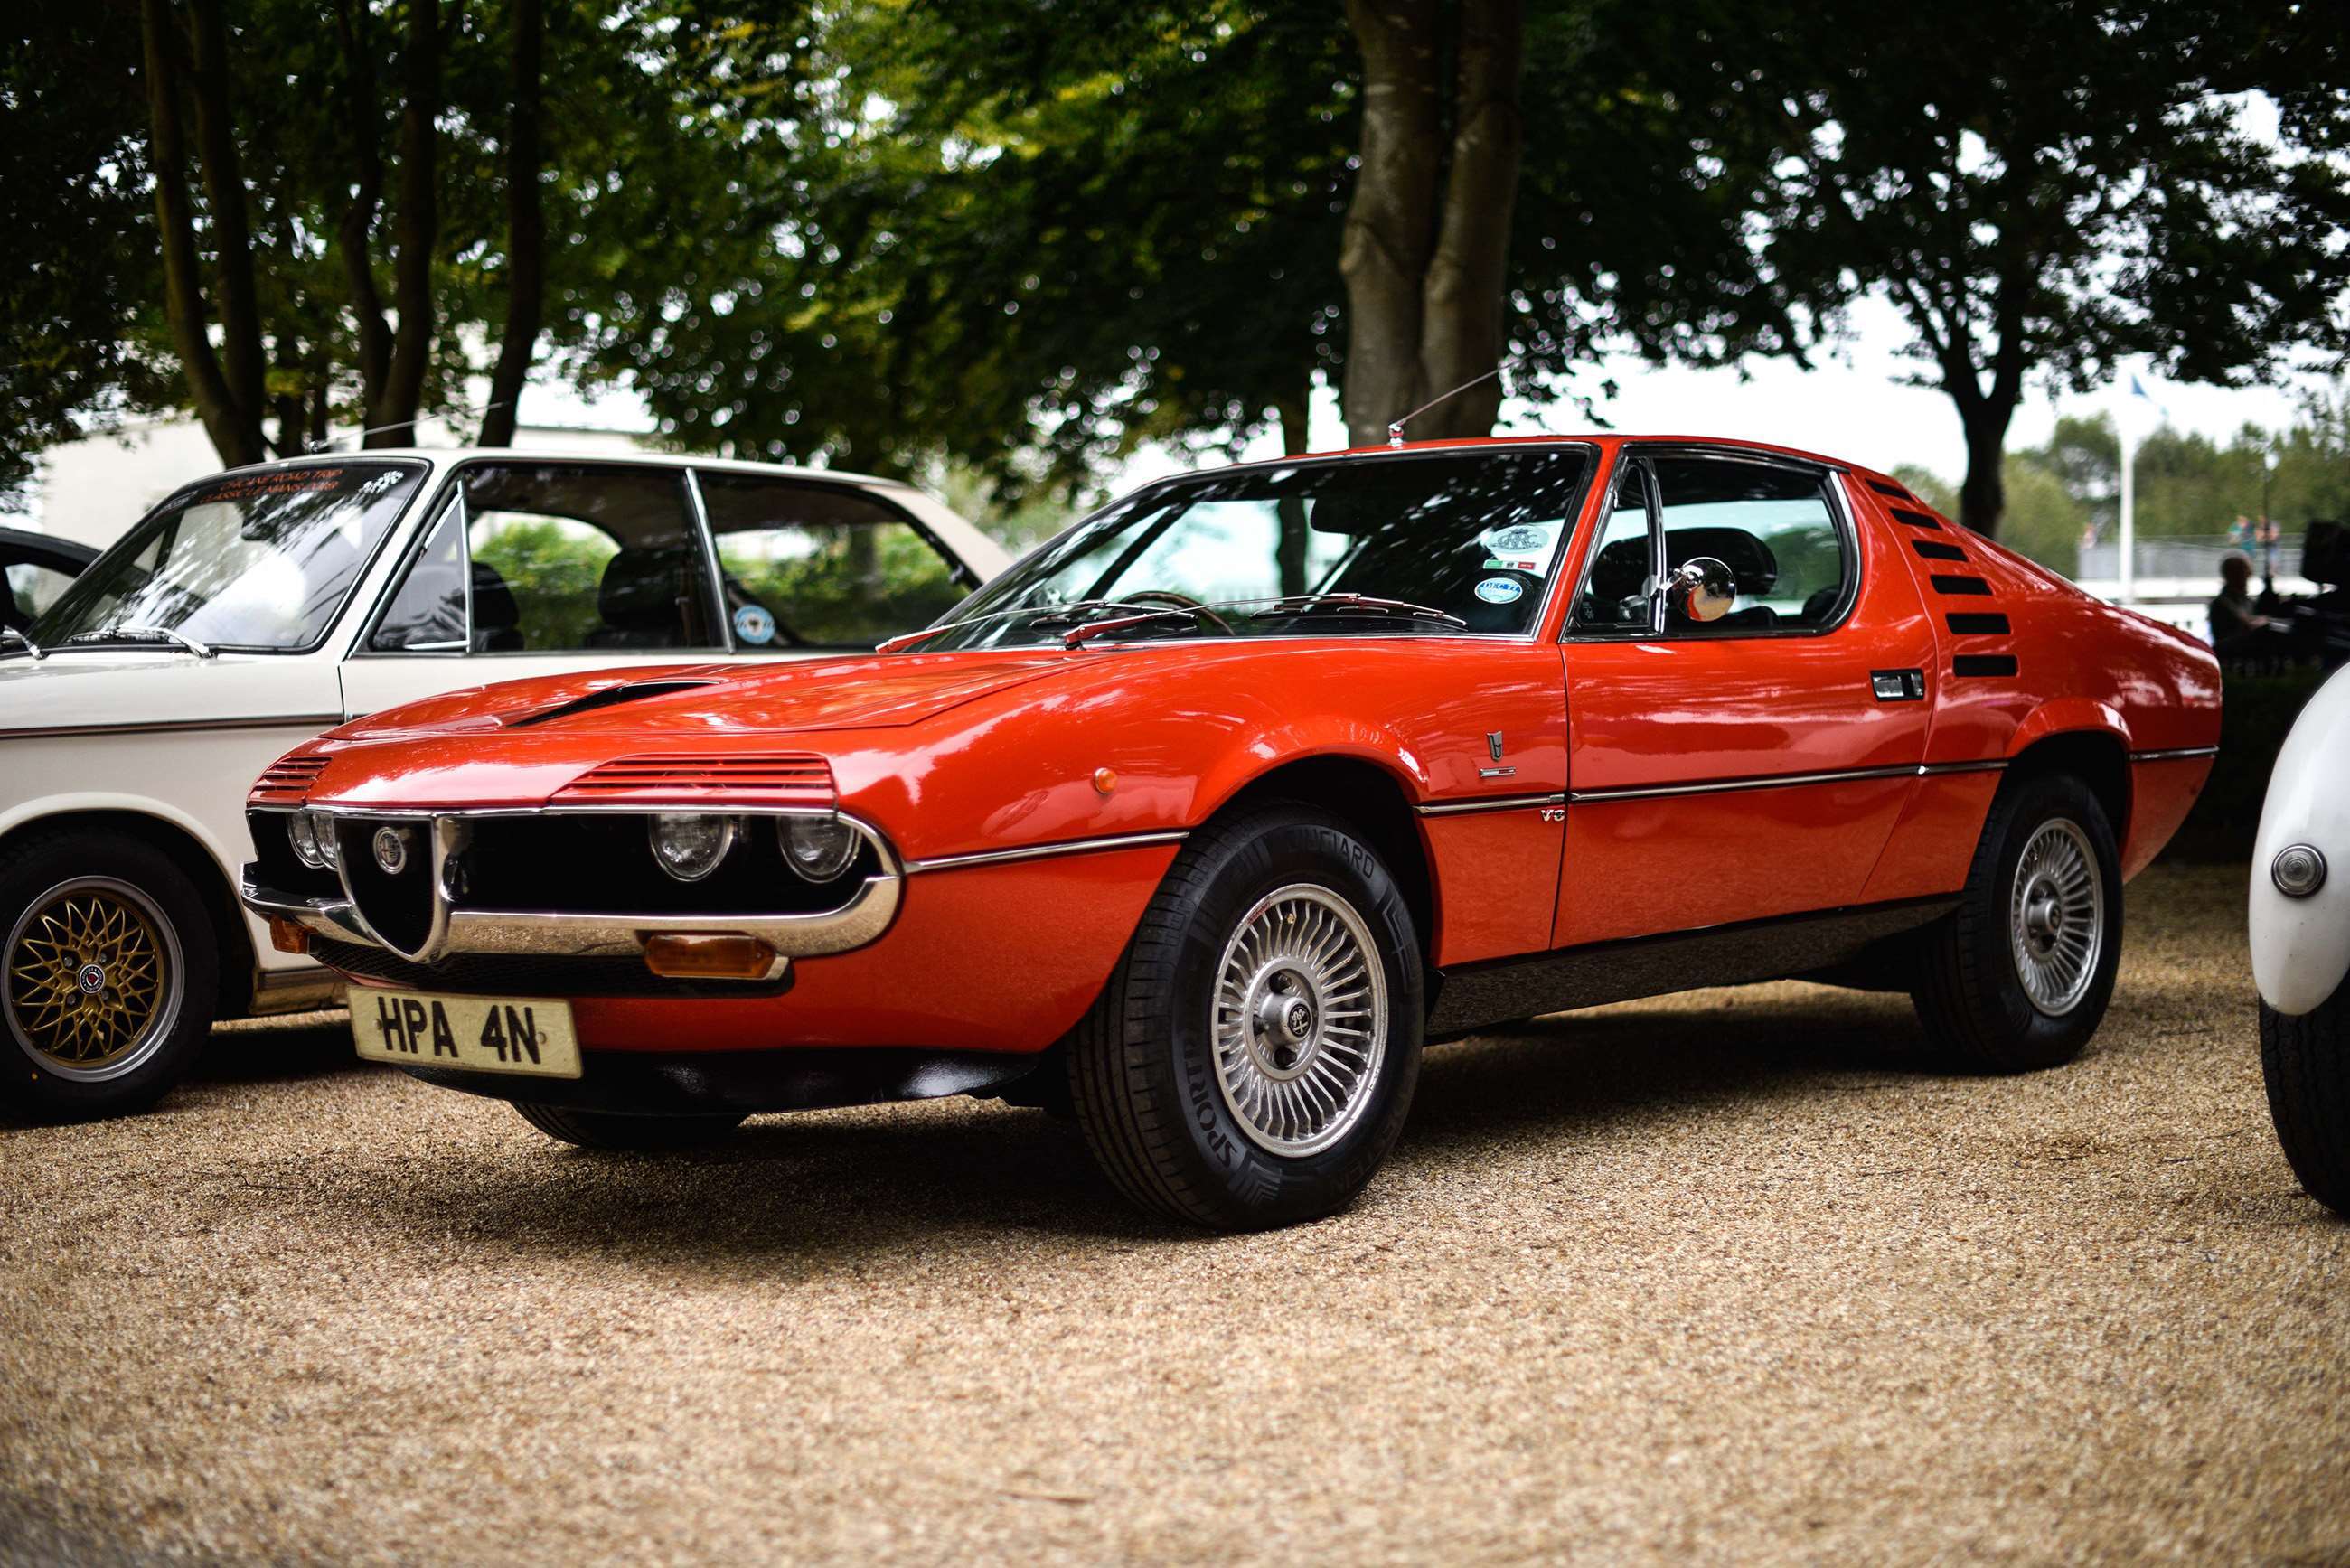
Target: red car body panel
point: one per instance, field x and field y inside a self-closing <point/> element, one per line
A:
<point x="1569" y="742"/>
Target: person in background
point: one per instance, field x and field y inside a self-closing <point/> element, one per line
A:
<point x="2240" y="533"/>
<point x="2238" y="630"/>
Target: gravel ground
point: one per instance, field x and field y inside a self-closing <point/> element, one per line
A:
<point x="1716" y="1277"/>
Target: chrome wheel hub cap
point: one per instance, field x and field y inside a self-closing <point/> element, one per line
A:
<point x="1301" y="1020"/>
<point x="2057" y="917"/>
<point x="93" y="979"/>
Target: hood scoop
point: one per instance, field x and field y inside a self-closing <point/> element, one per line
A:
<point x="607" y="697"/>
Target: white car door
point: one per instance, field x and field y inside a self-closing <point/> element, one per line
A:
<point x="538" y="568"/>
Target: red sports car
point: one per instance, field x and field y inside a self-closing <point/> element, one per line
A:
<point x="1207" y="816"/>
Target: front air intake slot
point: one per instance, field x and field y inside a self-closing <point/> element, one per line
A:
<point x="606" y="697"/>
<point x="711" y="780"/>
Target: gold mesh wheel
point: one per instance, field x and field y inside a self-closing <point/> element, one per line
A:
<point x="93" y="979"/>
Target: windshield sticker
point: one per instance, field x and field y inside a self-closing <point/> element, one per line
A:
<point x="755" y="625"/>
<point x="1522" y="547"/>
<point x="1500" y="590"/>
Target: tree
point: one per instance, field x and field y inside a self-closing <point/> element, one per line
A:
<point x="2044" y="191"/>
<point x="526" y="258"/>
<point x="1428" y="231"/>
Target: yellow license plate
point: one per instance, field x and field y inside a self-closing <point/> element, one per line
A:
<point x="529" y="1035"/>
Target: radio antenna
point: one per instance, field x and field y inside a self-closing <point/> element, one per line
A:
<point x="410" y="425"/>
<point x="1395" y="431"/>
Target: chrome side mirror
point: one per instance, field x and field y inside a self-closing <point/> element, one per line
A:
<point x="1701" y="589"/>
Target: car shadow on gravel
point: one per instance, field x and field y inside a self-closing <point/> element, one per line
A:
<point x="800" y="1195"/>
<point x="255" y="1051"/>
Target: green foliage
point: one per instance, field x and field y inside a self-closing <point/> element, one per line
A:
<point x="554" y="570"/>
<point x="852" y="587"/>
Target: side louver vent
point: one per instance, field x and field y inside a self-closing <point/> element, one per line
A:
<point x="706" y="779"/>
<point x="288" y="779"/>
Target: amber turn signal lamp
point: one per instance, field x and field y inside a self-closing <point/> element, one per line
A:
<point x="709" y="957"/>
<point x="288" y="937"/>
<point x="1105" y="780"/>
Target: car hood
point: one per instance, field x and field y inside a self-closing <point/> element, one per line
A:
<point x="158" y="688"/>
<point x="698" y="702"/>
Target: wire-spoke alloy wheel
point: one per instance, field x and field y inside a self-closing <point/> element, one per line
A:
<point x="94" y="973"/>
<point x="1252" y="1059"/>
<point x="2057" y="917"/>
<point x="1301" y="1020"/>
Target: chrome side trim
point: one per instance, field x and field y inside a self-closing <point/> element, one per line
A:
<point x="1045" y="851"/>
<point x="1492" y="802"/>
<point x="314" y="723"/>
<point x="2174" y="753"/>
<point x="1708" y="786"/>
<point x="293" y="990"/>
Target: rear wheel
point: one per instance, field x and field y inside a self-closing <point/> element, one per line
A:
<point x="2019" y="975"/>
<point x="602" y="1130"/>
<point x="111" y="972"/>
<point x="2306" y="1063"/>
<point x="1252" y="1058"/>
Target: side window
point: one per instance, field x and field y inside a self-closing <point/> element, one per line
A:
<point x="583" y="558"/>
<point x="32" y="589"/>
<point x="1773" y="526"/>
<point x="821" y="566"/>
<point x="428" y="614"/>
<point x="1617" y="581"/>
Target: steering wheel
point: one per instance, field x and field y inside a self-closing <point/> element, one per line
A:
<point x="1181" y="601"/>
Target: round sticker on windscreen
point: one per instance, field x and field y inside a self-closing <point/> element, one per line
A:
<point x="755" y="625"/>
<point x="1521" y="540"/>
<point x="1500" y="590"/>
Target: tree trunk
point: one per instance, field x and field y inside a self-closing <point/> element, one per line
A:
<point x="1290" y="552"/>
<point x="355" y="237"/>
<point x="235" y="432"/>
<point x="1983" y="498"/>
<point x="1391" y="222"/>
<point x="526" y="230"/>
<point x="1426" y="270"/>
<point x="416" y="230"/>
<point x="1462" y="313"/>
<point x="225" y="203"/>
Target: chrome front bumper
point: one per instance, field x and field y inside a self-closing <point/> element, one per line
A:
<point x="562" y="934"/>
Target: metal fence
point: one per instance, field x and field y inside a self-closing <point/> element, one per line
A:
<point x="2190" y="559"/>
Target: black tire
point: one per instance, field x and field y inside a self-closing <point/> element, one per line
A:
<point x="2306" y="1064"/>
<point x="146" y="918"/>
<point x="1142" y="1062"/>
<point x="1969" y="993"/>
<point x="604" y="1130"/>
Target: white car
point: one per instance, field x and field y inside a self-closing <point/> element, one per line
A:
<point x="2301" y="943"/>
<point x="254" y="608"/>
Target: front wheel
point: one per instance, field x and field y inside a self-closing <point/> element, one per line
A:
<point x="2018" y="976"/>
<point x="2306" y="1064"/>
<point x="112" y="968"/>
<point x="1252" y="1058"/>
<point x="604" y="1130"/>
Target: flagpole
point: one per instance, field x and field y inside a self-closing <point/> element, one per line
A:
<point x="2128" y="541"/>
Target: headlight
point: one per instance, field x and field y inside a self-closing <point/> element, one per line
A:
<point x="330" y="849"/>
<point x="818" y="847"/>
<point x="690" y="847"/>
<point x="302" y="832"/>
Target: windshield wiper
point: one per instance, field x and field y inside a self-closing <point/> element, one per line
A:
<point x="1305" y="604"/>
<point x="1141" y="615"/>
<point x="35" y="649"/>
<point x="1045" y="615"/>
<point x="145" y="634"/>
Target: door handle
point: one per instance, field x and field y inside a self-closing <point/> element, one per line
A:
<point x="1898" y="685"/>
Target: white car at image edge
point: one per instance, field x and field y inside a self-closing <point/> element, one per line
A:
<point x="254" y="608"/>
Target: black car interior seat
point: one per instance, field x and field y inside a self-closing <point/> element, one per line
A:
<point x="497" y="618"/>
<point x="644" y="597"/>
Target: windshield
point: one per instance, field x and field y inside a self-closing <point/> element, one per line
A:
<point x="255" y="561"/>
<point x="1369" y="546"/>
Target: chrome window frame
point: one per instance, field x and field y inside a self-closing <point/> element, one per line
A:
<point x="1831" y="477"/>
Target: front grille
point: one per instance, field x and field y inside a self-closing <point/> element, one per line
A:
<point x="397" y="907"/>
<point x="288" y="780"/>
<point x="708" y="780"/>
<point x="486" y="974"/>
<point x="600" y="864"/>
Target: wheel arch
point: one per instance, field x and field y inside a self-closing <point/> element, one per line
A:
<point x="185" y="847"/>
<point x="2099" y="757"/>
<point x="1369" y="795"/>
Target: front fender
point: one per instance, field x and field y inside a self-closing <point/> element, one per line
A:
<point x="2300" y="947"/>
